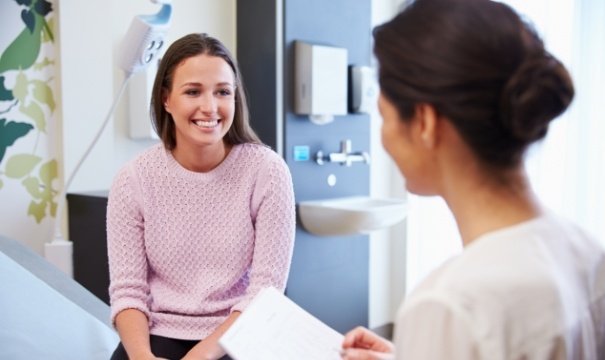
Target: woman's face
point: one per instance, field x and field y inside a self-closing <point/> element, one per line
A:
<point x="402" y="142"/>
<point x="201" y="101"/>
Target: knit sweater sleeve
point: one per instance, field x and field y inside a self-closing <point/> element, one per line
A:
<point x="125" y="244"/>
<point x="273" y="211"/>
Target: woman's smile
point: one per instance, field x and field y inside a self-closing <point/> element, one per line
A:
<point x="207" y="124"/>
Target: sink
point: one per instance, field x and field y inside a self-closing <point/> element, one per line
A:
<point x="350" y="215"/>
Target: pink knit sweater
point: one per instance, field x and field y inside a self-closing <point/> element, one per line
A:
<point x="188" y="248"/>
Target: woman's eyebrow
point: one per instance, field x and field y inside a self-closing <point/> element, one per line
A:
<point x="192" y="83"/>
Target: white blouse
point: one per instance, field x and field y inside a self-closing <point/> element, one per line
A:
<point x="535" y="290"/>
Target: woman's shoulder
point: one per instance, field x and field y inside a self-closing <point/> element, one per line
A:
<point x="509" y="284"/>
<point x="261" y="154"/>
<point x="258" y="150"/>
<point x="151" y="154"/>
<point x="571" y="232"/>
<point x="516" y="272"/>
<point x="531" y="246"/>
<point x="147" y="159"/>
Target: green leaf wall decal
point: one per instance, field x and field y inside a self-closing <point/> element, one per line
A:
<point x="32" y="185"/>
<point x="44" y="94"/>
<point x="43" y="7"/>
<point x="37" y="210"/>
<point x="20" y="165"/>
<point x="49" y="28"/>
<point x="49" y="172"/>
<point x="28" y="18"/>
<point x="5" y="94"/>
<point x="42" y="64"/>
<point x="53" y="209"/>
<point x="20" y="89"/>
<point x="30" y="93"/>
<point x="34" y="111"/>
<point x="10" y="132"/>
<point x="23" y="51"/>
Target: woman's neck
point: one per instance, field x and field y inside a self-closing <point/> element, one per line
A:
<point x="201" y="158"/>
<point x="481" y="205"/>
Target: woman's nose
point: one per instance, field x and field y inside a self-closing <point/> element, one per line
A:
<point x="208" y="103"/>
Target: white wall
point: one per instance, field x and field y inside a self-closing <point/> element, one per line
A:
<point x="86" y="88"/>
<point x="387" y="247"/>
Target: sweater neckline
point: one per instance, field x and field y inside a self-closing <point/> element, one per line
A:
<point x="174" y="167"/>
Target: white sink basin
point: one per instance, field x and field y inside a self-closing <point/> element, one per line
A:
<point x="350" y="215"/>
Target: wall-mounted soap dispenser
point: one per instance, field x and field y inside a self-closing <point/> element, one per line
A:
<point x="364" y="89"/>
<point x="320" y="81"/>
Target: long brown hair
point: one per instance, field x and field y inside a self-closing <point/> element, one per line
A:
<point x="481" y="67"/>
<point x="189" y="46"/>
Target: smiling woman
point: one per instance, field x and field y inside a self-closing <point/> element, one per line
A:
<point x="201" y="102"/>
<point x="199" y="224"/>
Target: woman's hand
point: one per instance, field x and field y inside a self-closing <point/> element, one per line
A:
<point x="362" y="344"/>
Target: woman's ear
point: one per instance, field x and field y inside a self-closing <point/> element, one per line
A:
<point x="165" y="102"/>
<point x="428" y="123"/>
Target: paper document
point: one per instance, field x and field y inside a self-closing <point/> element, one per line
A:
<point x="273" y="327"/>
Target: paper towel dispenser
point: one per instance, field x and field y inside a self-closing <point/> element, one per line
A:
<point x="321" y="75"/>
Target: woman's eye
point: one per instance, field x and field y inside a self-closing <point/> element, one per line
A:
<point x="224" y="92"/>
<point x="192" y="92"/>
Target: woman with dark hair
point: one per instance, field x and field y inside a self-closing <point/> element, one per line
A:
<point x="466" y="88"/>
<point x="200" y="223"/>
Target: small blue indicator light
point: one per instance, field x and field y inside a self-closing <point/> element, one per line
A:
<point x="301" y="153"/>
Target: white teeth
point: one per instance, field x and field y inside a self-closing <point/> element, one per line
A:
<point x="206" y="123"/>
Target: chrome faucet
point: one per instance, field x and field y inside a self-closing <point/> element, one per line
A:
<point x="344" y="157"/>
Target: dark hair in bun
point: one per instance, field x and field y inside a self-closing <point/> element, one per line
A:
<point x="480" y="66"/>
<point x="539" y="91"/>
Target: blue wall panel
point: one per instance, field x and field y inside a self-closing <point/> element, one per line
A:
<point x="329" y="275"/>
